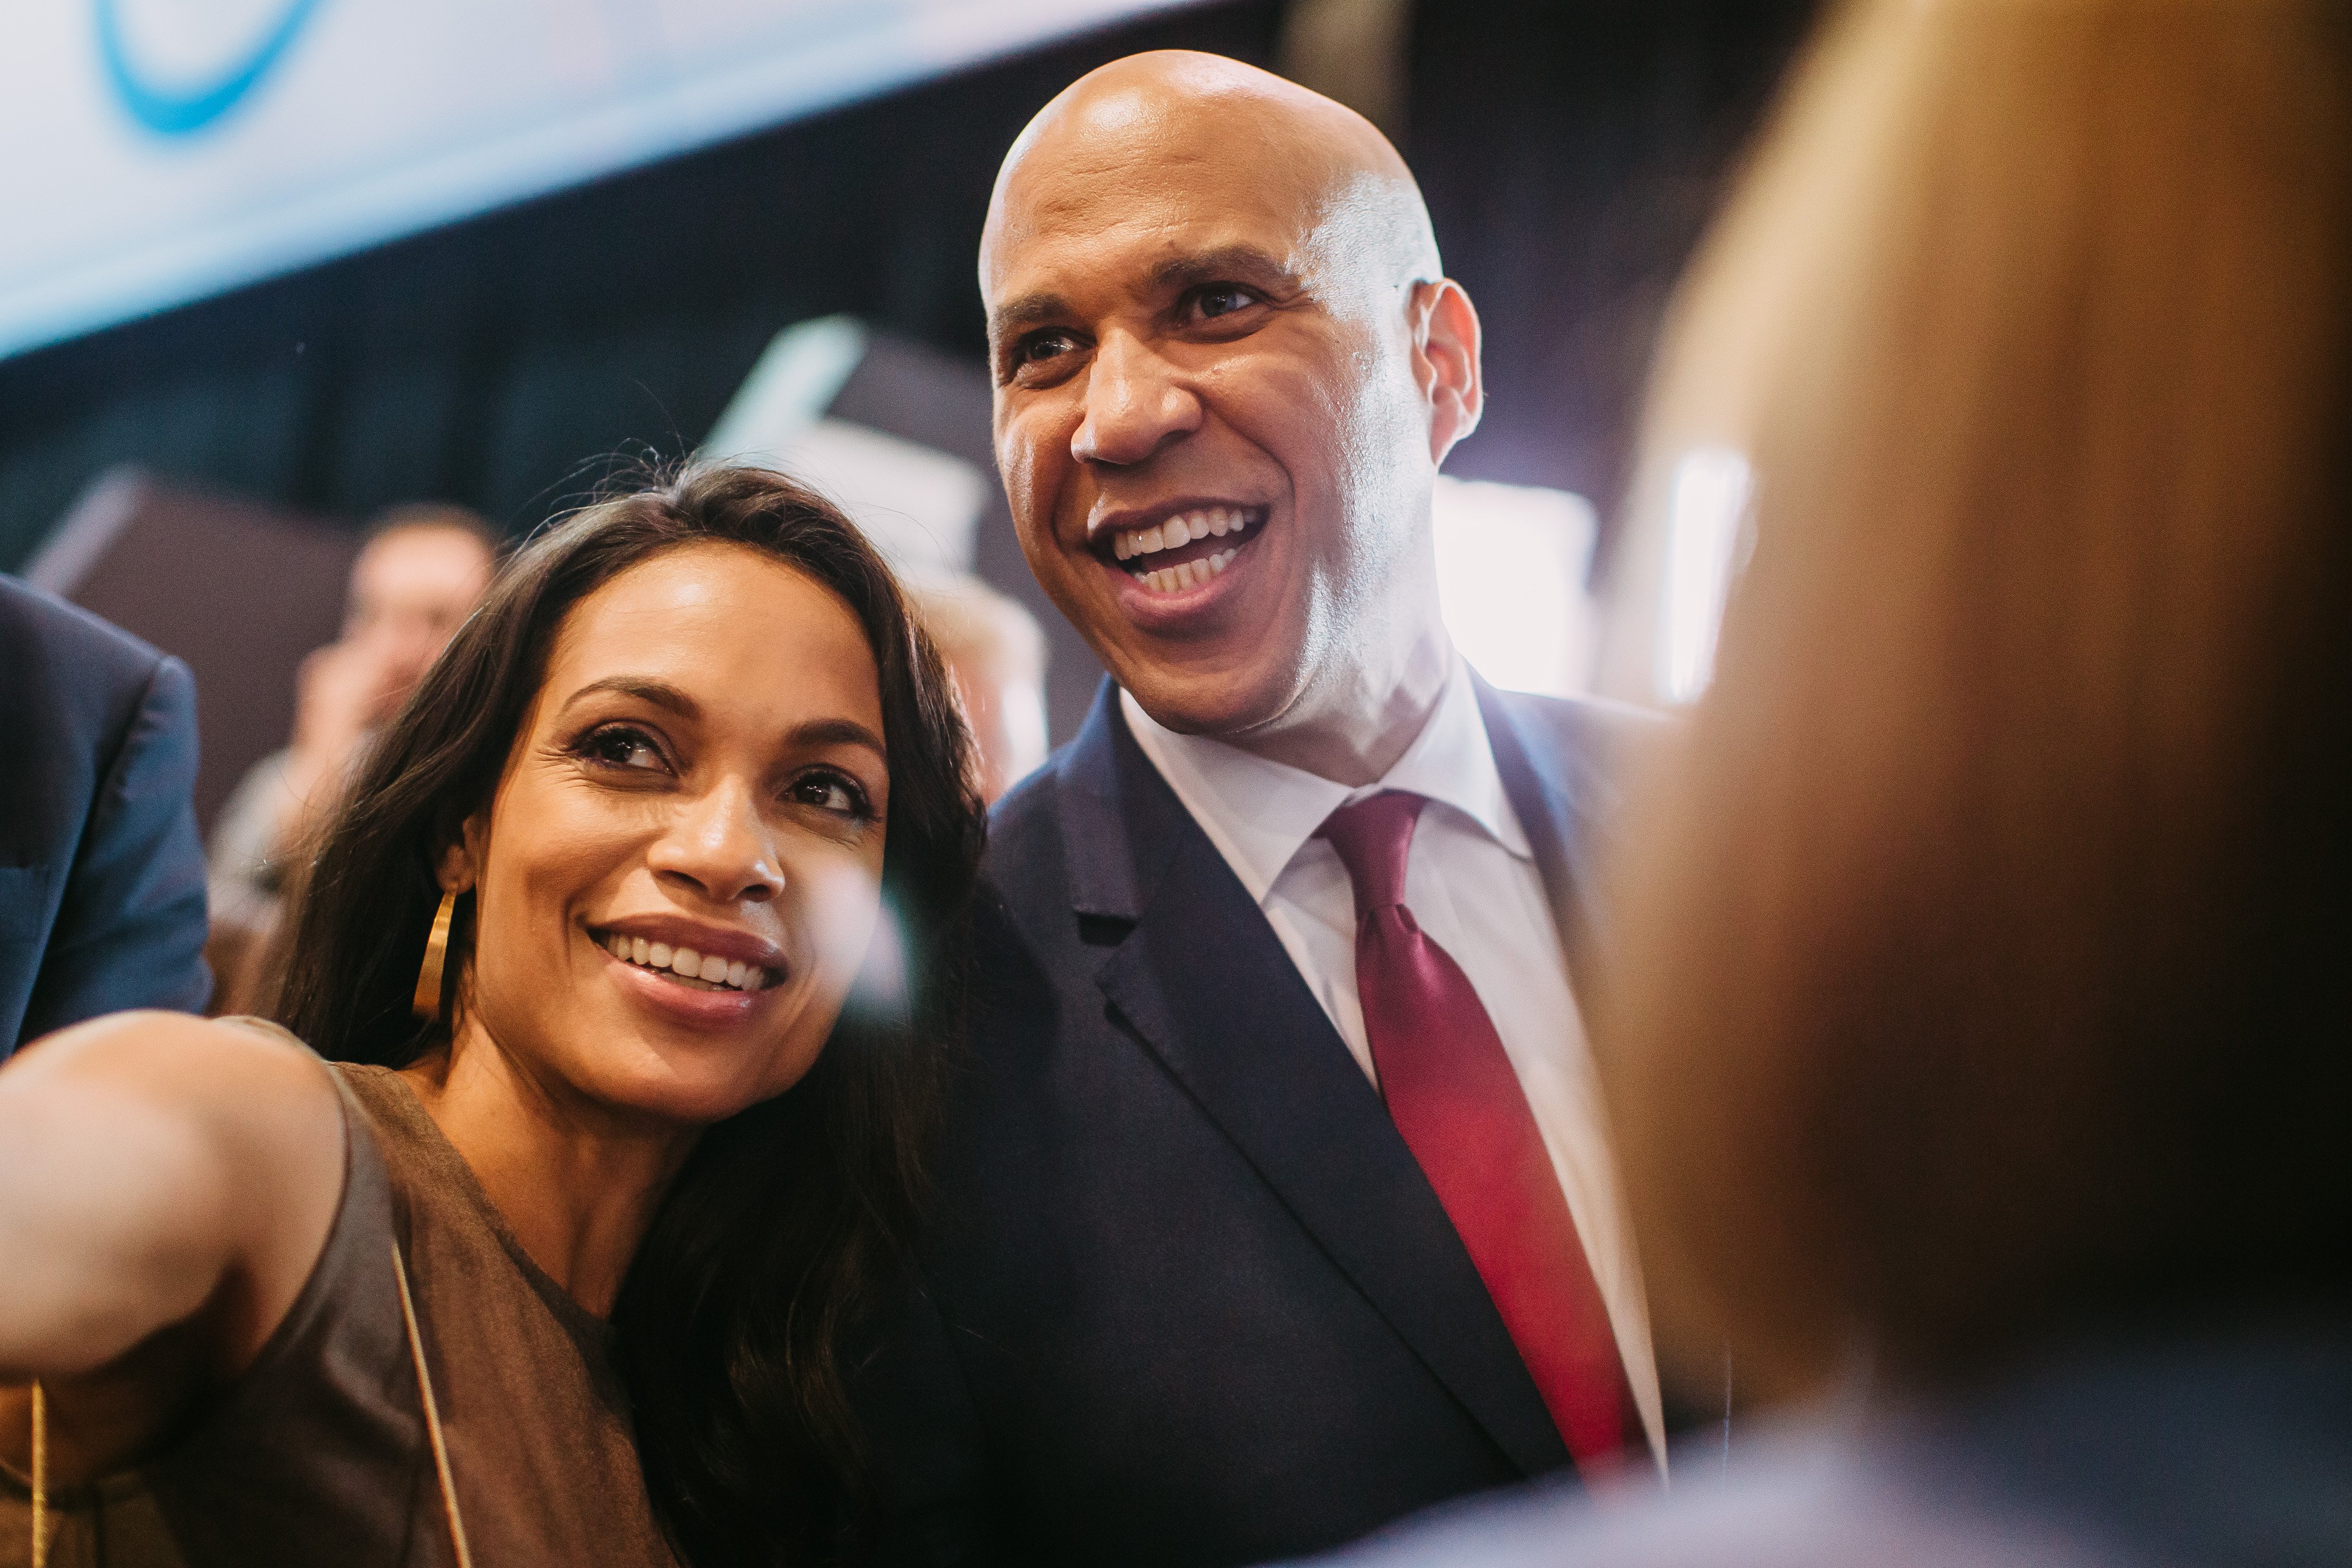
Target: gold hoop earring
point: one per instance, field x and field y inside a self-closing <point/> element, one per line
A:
<point x="427" y="1003"/>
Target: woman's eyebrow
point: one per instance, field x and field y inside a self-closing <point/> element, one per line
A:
<point x="660" y="694"/>
<point x="813" y="733"/>
<point x="837" y="732"/>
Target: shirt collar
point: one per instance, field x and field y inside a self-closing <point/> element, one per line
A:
<point x="1258" y="812"/>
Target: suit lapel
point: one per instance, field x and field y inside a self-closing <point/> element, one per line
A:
<point x="1557" y="791"/>
<point x="1203" y="983"/>
<point x="1565" y="795"/>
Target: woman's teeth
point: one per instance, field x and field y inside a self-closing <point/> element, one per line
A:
<point x="704" y="970"/>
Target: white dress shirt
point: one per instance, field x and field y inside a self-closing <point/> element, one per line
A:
<point x="1473" y="886"/>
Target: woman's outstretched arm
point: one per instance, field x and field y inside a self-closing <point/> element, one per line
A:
<point x="157" y="1170"/>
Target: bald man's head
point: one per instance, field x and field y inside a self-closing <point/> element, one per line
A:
<point x="1142" y="117"/>
<point x="1228" y="366"/>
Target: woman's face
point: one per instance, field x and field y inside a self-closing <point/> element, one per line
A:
<point x="681" y="869"/>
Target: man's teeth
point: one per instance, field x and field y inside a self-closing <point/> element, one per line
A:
<point x="1191" y="574"/>
<point x="1209" y="522"/>
<point x="689" y="965"/>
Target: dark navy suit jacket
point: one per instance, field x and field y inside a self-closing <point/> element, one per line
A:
<point x="101" y="875"/>
<point x="1185" y="1297"/>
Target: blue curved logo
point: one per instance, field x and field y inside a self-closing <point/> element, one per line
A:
<point x="180" y="111"/>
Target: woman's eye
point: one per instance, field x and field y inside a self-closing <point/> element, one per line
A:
<point x="830" y="793"/>
<point x="619" y="746"/>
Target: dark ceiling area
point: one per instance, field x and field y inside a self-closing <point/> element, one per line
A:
<point x="1570" y="153"/>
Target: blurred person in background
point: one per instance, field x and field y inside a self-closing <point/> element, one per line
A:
<point x="995" y="652"/>
<point x="101" y="875"/>
<point x="1981" y="1041"/>
<point x="415" y="581"/>
<point x="1268" y="1080"/>
<point x="553" y="1266"/>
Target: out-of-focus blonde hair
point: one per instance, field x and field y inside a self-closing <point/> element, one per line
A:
<point x="1983" y="957"/>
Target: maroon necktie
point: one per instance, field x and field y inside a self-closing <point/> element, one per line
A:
<point x="1454" y="1095"/>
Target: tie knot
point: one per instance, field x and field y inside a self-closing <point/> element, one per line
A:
<point x="1372" y="837"/>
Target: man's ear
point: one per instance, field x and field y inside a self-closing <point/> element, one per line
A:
<point x="1446" y="346"/>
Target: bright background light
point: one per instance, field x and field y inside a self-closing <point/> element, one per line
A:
<point x="1511" y="564"/>
<point x="1709" y="501"/>
<point x="159" y="151"/>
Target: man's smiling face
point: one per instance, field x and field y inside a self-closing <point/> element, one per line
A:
<point x="1209" y="418"/>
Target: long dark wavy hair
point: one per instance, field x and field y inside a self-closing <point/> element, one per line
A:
<point x="789" y="1217"/>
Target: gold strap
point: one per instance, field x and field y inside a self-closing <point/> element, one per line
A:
<point x="432" y="1416"/>
<point x="40" y="1477"/>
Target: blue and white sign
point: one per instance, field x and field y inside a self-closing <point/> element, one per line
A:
<point x="159" y="151"/>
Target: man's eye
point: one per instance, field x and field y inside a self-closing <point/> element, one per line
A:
<point x="1223" y="299"/>
<point x="831" y="792"/>
<point x="1042" y="346"/>
<point x="620" y="745"/>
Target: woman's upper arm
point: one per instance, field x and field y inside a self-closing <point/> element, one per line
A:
<point x="154" y="1167"/>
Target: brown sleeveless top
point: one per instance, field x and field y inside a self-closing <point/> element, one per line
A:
<point x="320" y="1453"/>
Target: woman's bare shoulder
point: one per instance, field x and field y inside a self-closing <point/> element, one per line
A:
<point x="157" y="1171"/>
<point x="206" y="1061"/>
<point x="239" y="1112"/>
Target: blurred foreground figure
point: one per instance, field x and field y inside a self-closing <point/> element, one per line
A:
<point x="1276" y="1201"/>
<point x="995" y="654"/>
<point x="411" y="587"/>
<point x="552" y="1261"/>
<point x="1982" y="1049"/>
<point x="102" y="880"/>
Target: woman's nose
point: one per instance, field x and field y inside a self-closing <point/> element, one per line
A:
<point x="721" y="843"/>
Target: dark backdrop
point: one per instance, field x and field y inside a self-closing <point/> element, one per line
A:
<point x="1571" y="153"/>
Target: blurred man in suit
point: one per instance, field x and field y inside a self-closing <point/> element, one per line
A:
<point x="1277" y="1200"/>
<point x="102" y="876"/>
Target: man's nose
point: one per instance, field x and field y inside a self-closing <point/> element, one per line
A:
<point x="721" y="846"/>
<point x="1135" y="404"/>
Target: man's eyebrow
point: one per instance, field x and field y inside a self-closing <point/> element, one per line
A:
<point x="1028" y="311"/>
<point x="1239" y="263"/>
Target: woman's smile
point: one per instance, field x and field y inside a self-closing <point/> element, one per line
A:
<point x="693" y="973"/>
<point x="701" y="971"/>
<point x="694" y="1002"/>
<point x="695" y="954"/>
